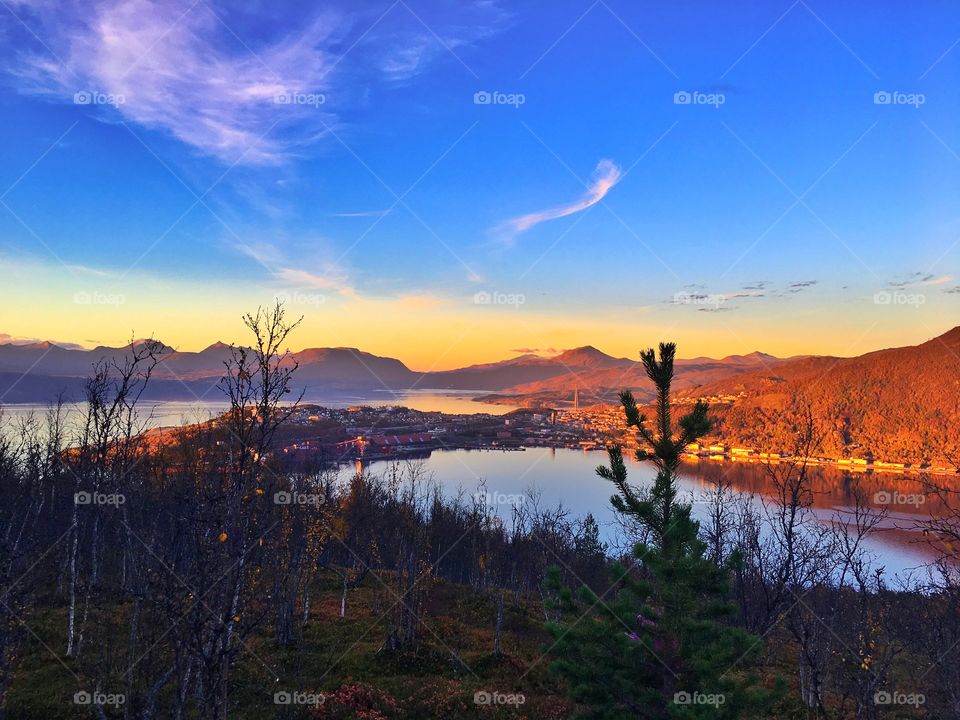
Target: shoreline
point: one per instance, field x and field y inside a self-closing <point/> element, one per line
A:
<point x="850" y="465"/>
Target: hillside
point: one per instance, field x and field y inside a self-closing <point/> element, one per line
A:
<point x="601" y="380"/>
<point x="899" y="404"/>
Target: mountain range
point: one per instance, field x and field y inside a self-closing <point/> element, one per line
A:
<point x="896" y="402"/>
<point x="39" y="372"/>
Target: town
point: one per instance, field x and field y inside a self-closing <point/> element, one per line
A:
<point x="318" y="435"/>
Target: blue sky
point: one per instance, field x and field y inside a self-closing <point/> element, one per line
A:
<point x="586" y="199"/>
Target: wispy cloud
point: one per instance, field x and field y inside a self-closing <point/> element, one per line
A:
<point x="291" y="273"/>
<point x="418" y="41"/>
<point x="800" y="286"/>
<point x="535" y="351"/>
<point x="605" y="177"/>
<point x="214" y="76"/>
<point x="297" y="278"/>
<point x="921" y="279"/>
<point x="176" y="66"/>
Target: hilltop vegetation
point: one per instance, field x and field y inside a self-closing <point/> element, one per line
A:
<point x="901" y="404"/>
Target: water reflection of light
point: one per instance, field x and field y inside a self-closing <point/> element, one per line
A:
<point x="571" y="479"/>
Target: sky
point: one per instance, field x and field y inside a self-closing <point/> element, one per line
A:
<point x="458" y="182"/>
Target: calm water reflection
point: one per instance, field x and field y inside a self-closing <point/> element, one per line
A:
<point x="176" y="412"/>
<point x="568" y="477"/>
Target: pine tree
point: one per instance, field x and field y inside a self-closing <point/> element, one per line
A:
<point x="658" y="643"/>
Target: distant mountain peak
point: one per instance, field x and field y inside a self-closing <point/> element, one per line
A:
<point x="218" y="345"/>
<point x="587" y="355"/>
<point x="760" y="355"/>
<point x="157" y="345"/>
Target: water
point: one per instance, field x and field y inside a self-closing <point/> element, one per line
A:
<point x="569" y="477"/>
<point x="177" y="412"/>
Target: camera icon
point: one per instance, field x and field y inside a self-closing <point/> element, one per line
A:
<point x="282" y="698"/>
<point x="482" y="697"/>
<point x="883" y="298"/>
<point x="282" y="98"/>
<point x="482" y="298"/>
<point x="882" y="498"/>
<point x="682" y="97"/>
<point x="82" y="498"/>
<point x="82" y="697"/>
<point x="282" y="498"/>
<point x="82" y="97"/>
<point x="882" y="97"/>
<point x="682" y="698"/>
<point x="482" y="97"/>
<point x="882" y="697"/>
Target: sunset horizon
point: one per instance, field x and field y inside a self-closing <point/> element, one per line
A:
<point x="868" y="340"/>
<point x="440" y="196"/>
